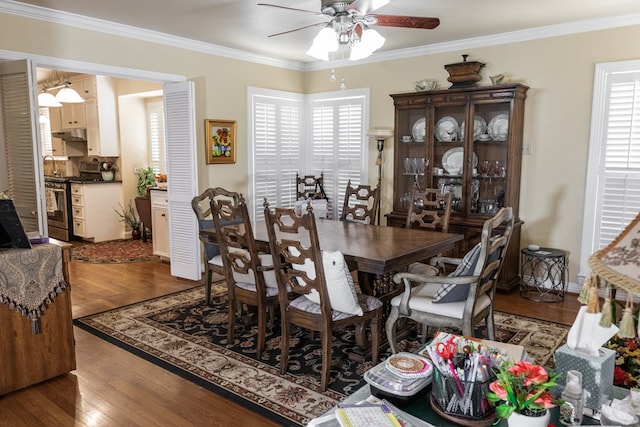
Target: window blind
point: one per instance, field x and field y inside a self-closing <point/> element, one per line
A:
<point x="155" y="126"/>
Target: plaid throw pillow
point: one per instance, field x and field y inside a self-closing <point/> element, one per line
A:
<point x="452" y="293"/>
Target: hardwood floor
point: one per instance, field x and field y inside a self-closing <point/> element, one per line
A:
<point x="112" y="387"/>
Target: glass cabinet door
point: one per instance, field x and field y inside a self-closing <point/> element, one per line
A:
<point x="411" y="161"/>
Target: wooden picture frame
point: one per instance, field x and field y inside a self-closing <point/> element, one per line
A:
<point x="220" y="141"/>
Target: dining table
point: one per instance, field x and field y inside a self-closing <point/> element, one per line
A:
<point x="376" y="252"/>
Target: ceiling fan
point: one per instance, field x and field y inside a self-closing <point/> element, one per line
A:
<point x="350" y="19"/>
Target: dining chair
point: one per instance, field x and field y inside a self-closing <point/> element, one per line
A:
<point x="360" y="203"/>
<point x="201" y="205"/>
<point x="326" y="299"/>
<point x="429" y="209"/>
<point x="310" y="187"/>
<point x="463" y="298"/>
<point x="250" y="275"/>
<point x="143" y="206"/>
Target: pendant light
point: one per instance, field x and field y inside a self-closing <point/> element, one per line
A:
<point x="46" y="99"/>
<point x="68" y="95"/>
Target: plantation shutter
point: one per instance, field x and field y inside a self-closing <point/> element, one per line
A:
<point x="275" y="155"/>
<point x="613" y="189"/>
<point x="339" y="147"/>
<point x="22" y="151"/>
<point x="184" y="250"/>
<point x="155" y="125"/>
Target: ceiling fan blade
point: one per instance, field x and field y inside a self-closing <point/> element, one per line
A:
<point x="298" y="29"/>
<point x="363" y="7"/>
<point x="290" y="8"/>
<point x="407" y="21"/>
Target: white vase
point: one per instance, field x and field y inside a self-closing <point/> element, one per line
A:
<point x="519" y="420"/>
<point x="107" y="175"/>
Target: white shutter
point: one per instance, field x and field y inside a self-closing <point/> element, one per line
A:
<point x="22" y="151"/>
<point x="339" y="125"/>
<point x="183" y="180"/>
<point x="274" y="148"/>
<point x="612" y="197"/>
<point x="155" y="126"/>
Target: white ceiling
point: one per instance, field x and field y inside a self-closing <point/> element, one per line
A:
<point x="245" y="26"/>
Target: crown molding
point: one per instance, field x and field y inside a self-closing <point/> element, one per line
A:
<point x="112" y="28"/>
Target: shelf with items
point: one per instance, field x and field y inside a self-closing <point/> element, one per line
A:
<point x="472" y="148"/>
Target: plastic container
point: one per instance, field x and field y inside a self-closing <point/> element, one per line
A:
<point x="385" y="384"/>
<point x="572" y="395"/>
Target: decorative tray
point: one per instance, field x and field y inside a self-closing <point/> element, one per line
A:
<point x="409" y="365"/>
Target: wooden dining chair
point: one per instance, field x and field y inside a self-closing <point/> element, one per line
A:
<point x="360" y="203"/>
<point x="250" y="275"/>
<point x="201" y="205"/>
<point x="463" y="298"/>
<point x="310" y="187"/>
<point x="327" y="299"/>
<point x="429" y="209"/>
<point x="143" y="206"/>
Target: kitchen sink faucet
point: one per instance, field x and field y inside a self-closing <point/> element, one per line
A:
<point x="56" y="172"/>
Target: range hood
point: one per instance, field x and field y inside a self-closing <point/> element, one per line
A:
<point x="72" y="135"/>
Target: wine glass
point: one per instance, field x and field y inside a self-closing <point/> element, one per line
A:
<point x="484" y="167"/>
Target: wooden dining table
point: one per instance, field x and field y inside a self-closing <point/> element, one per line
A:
<point x="376" y="252"/>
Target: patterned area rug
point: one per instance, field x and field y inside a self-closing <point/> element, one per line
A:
<point x="181" y="333"/>
<point x="114" y="252"/>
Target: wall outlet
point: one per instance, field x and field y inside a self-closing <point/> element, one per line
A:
<point x="526" y="148"/>
<point x="136" y="171"/>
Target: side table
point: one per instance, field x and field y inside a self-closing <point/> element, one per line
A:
<point x="543" y="274"/>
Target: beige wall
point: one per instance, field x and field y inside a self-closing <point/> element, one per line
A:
<point x="559" y="71"/>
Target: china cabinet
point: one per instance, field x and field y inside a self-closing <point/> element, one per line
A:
<point x="467" y="141"/>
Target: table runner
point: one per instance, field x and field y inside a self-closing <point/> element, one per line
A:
<point x="30" y="279"/>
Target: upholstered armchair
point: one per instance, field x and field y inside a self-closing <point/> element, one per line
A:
<point x="463" y="298"/>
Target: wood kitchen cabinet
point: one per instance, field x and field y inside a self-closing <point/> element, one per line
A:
<point x="93" y="209"/>
<point x="160" y="222"/>
<point x="467" y="141"/>
<point x="73" y="116"/>
<point x="60" y="147"/>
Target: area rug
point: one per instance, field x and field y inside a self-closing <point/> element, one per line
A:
<point x="179" y="332"/>
<point x="114" y="252"/>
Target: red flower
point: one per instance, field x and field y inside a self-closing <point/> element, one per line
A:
<point x="498" y="389"/>
<point x="534" y="374"/>
<point x="545" y="400"/>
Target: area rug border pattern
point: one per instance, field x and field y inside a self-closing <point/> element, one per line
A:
<point x="197" y="375"/>
<point x="178" y="367"/>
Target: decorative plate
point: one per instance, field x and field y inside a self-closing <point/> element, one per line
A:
<point x="452" y="160"/>
<point x="446" y="129"/>
<point x="408" y="365"/>
<point x="479" y="127"/>
<point x="498" y="127"/>
<point x="418" y="130"/>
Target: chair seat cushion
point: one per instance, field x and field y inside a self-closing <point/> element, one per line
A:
<point x="422" y="299"/>
<point x="252" y="287"/>
<point x="423" y="269"/>
<point x="366" y="303"/>
<point x="340" y="286"/>
<point x="265" y="260"/>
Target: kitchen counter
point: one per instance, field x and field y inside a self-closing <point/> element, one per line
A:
<point x="75" y="180"/>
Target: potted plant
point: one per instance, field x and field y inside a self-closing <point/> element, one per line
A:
<point x="146" y="180"/>
<point x="130" y="217"/>
<point x="108" y="171"/>
<point x="522" y="390"/>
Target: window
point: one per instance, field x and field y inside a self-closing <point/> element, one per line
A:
<point x="612" y="196"/>
<point x="45" y="130"/>
<point x="155" y="130"/>
<point x="335" y="144"/>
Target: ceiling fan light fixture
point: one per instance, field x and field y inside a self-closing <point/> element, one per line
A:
<point x="68" y="95"/>
<point x="48" y="100"/>
<point x="323" y="43"/>
<point x="370" y="41"/>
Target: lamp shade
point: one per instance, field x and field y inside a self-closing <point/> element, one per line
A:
<point x="66" y="94"/>
<point x="323" y="43"/>
<point x="47" y="100"/>
<point x="370" y="41"/>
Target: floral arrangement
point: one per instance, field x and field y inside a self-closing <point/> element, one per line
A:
<point x="523" y="388"/>
<point x="626" y="372"/>
<point x="108" y="166"/>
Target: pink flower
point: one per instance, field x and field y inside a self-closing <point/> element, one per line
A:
<point x="498" y="390"/>
<point x="534" y="374"/>
<point x="545" y="400"/>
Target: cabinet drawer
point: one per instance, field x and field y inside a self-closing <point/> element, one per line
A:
<point x="77" y="200"/>
<point x="76" y="189"/>
<point x="159" y="199"/>
<point x="78" y="227"/>
<point x="78" y="212"/>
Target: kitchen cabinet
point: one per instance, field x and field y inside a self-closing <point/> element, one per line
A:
<point x="467" y="141"/>
<point x="160" y="222"/>
<point x="101" y="113"/>
<point x="59" y="147"/>
<point x="93" y="209"/>
<point x="73" y="116"/>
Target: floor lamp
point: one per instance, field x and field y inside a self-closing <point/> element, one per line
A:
<point x="380" y="135"/>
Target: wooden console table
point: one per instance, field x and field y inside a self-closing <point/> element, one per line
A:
<point x="37" y="338"/>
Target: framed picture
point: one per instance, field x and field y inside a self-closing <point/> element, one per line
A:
<point x="220" y="141"/>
